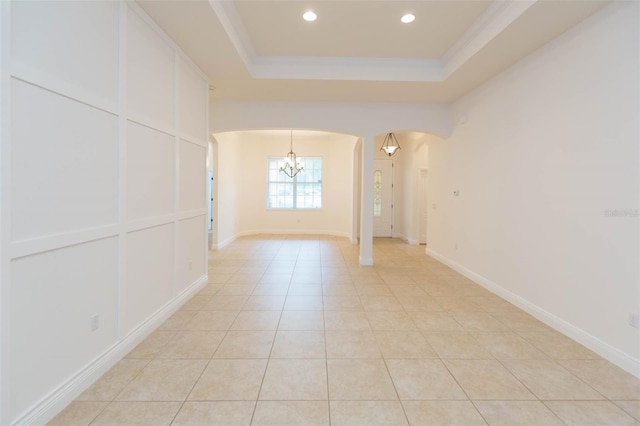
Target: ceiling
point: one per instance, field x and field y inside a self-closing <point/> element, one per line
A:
<point x="358" y="50"/>
<point x="356" y="29"/>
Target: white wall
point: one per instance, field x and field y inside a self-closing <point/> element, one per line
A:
<point x="407" y="163"/>
<point x="361" y="119"/>
<point x="420" y="165"/>
<point x="549" y="147"/>
<point x="365" y="120"/>
<point x="227" y="203"/>
<point x="104" y="136"/>
<point x="243" y="182"/>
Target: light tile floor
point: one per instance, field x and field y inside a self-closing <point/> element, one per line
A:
<point x="291" y="330"/>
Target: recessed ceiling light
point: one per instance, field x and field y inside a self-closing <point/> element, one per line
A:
<point x="408" y="18"/>
<point x="310" y="16"/>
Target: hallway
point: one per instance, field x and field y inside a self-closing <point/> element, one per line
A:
<point x="291" y="330"/>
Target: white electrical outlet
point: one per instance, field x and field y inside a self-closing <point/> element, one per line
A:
<point x="94" y="322"/>
<point x="456" y="246"/>
<point x="634" y="319"/>
<point x="190" y="264"/>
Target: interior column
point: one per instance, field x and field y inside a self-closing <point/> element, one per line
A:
<point x="366" y="209"/>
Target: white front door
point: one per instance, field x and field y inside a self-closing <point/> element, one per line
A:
<point x="382" y="198"/>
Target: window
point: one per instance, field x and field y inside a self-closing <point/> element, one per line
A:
<point x="377" y="193"/>
<point x="304" y="191"/>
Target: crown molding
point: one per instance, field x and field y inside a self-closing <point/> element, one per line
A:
<point x="235" y="29"/>
<point x="333" y="68"/>
<point x="492" y="22"/>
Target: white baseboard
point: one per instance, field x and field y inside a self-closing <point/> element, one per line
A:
<point x="296" y="232"/>
<point x="403" y="237"/>
<point x="365" y="261"/>
<point x="226" y="242"/>
<point x="222" y="244"/>
<point x="602" y="348"/>
<point x="58" y="399"/>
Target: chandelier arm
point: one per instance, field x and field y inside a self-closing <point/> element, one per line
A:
<point x="291" y="167"/>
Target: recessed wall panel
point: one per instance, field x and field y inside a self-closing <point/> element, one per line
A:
<point x="192" y="176"/>
<point x="72" y="41"/>
<point x="149" y="274"/>
<point x="192" y="101"/>
<point x="54" y="295"/>
<point x="150" y="172"/>
<point x="190" y="258"/>
<point x="150" y="73"/>
<point x="63" y="164"/>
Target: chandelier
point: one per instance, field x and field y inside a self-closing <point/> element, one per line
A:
<point x="390" y="144"/>
<point x="291" y="166"/>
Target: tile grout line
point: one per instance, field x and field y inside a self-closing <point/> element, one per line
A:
<point x="326" y="354"/>
<point x="266" y="368"/>
<point x="205" y="367"/>
<point x="444" y="278"/>
<point x="226" y="333"/>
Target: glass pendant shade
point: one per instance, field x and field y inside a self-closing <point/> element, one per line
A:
<point x="390" y="145"/>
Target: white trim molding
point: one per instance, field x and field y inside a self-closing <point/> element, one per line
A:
<point x="488" y="26"/>
<point x="614" y="355"/>
<point x="62" y="396"/>
<point x="365" y="261"/>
